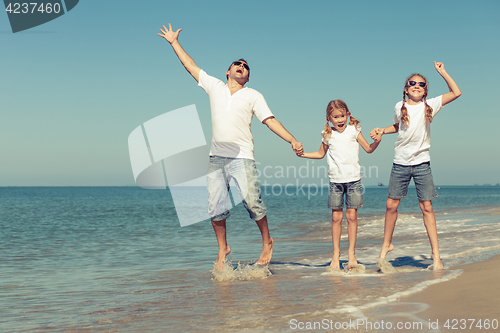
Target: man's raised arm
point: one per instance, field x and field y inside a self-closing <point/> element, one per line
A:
<point x="172" y="36"/>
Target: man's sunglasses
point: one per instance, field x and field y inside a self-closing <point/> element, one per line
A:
<point x="237" y="63"/>
<point x="412" y="83"/>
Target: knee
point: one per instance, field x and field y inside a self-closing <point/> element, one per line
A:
<point x="392" y="205"/>
<point x="426" y="207"/>
<point x="337" y="217"/>
<point x="352" y="221"/>
<point x="352" y="216"/>
<point x="337" y="220"/>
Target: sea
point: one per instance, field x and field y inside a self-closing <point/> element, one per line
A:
<point x="115" y="259"/>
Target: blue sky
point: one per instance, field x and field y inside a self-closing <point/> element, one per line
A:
<point x="73" y="89"/>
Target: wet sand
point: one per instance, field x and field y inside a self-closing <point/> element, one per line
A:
<point x="474" y="294"/>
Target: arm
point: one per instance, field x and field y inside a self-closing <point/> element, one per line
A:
<point x="317" y="154"/>
<point x="369" y="148"/>
<point x="394" y="128"/>
<point x="274" y="125"/>
<point x="188" y="63"/>
<point x="454" y="92"/>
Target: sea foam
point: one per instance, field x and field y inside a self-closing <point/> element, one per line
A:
<point x="242" y="271"/>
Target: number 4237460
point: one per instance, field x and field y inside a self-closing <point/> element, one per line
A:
<point x="33" y="7"/>
<point x="462" y="324"/>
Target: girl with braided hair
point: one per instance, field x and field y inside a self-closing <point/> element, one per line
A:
<point x="341" y="143"/>
<point x="412" y="119"/>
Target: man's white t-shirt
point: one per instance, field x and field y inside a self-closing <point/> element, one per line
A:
<point x="232" y="117"/>
<point x="414" y="140"/>
<point x="343" y="155"/>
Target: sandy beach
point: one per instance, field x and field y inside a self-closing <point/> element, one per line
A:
<point x="473" y="295"/>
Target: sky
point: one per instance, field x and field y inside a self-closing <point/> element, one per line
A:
<point x="72" y="90"/>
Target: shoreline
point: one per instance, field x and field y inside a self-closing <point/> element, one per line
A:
<point x="473" y="295"/>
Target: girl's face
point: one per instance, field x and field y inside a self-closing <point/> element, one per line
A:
<point x="338" y="117"/>
<point x="416" y="92"/>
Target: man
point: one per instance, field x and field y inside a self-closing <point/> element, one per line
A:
<point x="231" y="155"/>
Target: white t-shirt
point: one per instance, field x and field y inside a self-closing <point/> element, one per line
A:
<point x="414" y="140"/>
<point x="343" y="155"/>
<point x="232" y="117"/>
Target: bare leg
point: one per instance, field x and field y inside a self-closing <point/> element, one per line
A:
<point x="267" y="242"/>
<point x="337" y="215"/>
<point x="352" y="230"/>
<point x="220" y="233"/>
<point x="391" y="215"/>
<point x="430" y="226"/>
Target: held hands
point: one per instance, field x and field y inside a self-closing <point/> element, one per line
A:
<point x="169" y="34"/>
<point x="297" y="148"/>
<point x="376" y="134"/>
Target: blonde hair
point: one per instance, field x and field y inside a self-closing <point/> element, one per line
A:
<point x="405" y="118"/>
<point x="337" y="105"/>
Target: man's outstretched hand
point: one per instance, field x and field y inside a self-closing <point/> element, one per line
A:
<point x="169" y="34"/>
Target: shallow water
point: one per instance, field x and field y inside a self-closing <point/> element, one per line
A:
<point x="116" y="259"/>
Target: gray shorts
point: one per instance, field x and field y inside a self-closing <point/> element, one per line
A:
<point x="422" y="176"/>
<point x="353" y="192"/>
<point x="244" y="173"/>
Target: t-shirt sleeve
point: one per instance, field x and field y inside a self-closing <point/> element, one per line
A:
<point x="436" y="104"/>
<point x="323" y="139"/>
<point x="397" y="112"/>
<point x="207" y="82"/>
<point x="260" y="108"/>
<point x="357" y="130"/>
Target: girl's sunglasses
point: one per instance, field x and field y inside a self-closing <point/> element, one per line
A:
<point x="412" y="83"/>
<point x="237" y="63"/>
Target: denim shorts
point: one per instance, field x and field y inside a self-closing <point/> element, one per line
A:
<point x="353" y="192"/>
<point x="243" y="172"/>
<point x="422" y="176"/>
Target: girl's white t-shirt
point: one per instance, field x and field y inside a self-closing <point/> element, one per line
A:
<point x="414" y="140"/>
<point x="343" y="155"/>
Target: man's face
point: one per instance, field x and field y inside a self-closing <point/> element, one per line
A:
<point x="239" y="70"/>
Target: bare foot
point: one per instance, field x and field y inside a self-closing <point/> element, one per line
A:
<point x="438" y="265"/>
<point x="334" y="265"/>
<point x="267" y="253"/>
<point x="352" y="261"/>
<point x="221" y="258"/>
<point x="385" y="250"/>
